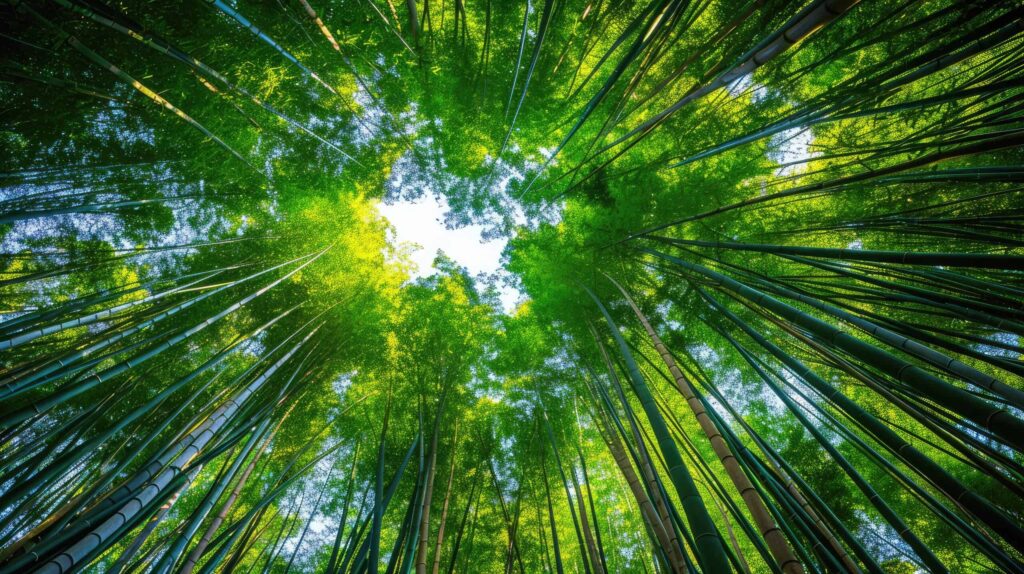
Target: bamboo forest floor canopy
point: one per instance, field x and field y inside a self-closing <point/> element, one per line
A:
<point x="587" y="286"/>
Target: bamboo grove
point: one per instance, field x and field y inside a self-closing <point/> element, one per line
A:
<point x="770" y="256"/>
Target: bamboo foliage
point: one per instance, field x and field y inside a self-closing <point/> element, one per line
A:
<point x="767" y="259"/>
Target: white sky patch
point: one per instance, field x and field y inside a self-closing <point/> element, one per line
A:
<point x="740" y="85"/>
<point x="793" y="145"/>
<point x="420" y="222"/>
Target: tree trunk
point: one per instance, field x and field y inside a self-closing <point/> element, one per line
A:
<point x="777" y="543"/>
<point x="421" y="554"/>
<point x="595" y="556"/>
<point x="647" y="509"/>
<point x="320" y="24"/>
<point x="646" y="468"/>
<point x="150" y="527"/>
<point x="414" y="25"/>
<point x="192" y="445"/>
<point x="197" y="552"/>
<point x="444" y="507"/>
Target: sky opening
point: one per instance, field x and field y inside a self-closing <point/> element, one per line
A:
<point x="420" y="223"/>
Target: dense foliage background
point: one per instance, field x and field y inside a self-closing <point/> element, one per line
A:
<point x="771" y="253"/>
